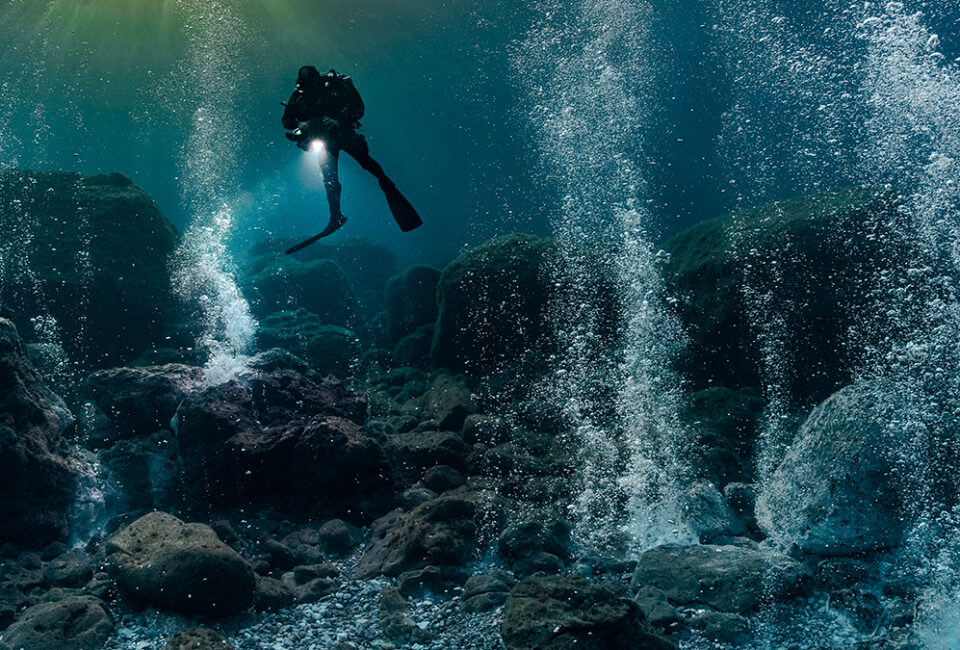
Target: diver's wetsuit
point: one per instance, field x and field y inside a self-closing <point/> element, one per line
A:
<point x="333" y="96"/>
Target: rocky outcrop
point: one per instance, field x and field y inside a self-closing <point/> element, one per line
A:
<point x="558" y="612"/>
<point x="836" y="491"/>
<point x="74" y="623"/>
<point x="91" y="252"/>
<point x="36" y="477"/>
<point x="411" y="300"/>
<point x="812" y="259"/>
<point x="330" y="350"/>
<point x="197" y="638"/>
<point x="728" y="578"/>
<point x="185" y="567"/>
<point x="281" y="435"/>
<point x="493" y="303"/>
<point x="319" y="287"/>
<point x="142" y="400"/>
<point x="440" y="532"/>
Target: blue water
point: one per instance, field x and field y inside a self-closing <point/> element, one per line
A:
<point x="605" y="124"/>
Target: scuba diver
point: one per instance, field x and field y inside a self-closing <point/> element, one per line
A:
<point x="322" y="116"/>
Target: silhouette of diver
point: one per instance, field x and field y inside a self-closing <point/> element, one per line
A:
<point x="322" y="116"/>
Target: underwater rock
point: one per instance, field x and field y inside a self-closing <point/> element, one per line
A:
<point x="448" y="401"/>
<point x="814" y="258"/>
<point x="36" y="477"/>
<point x="284" y="437"/>
<point x="147" y="471"/>
<point x="142" y="400"/>
<point x="74" y="623"/>
<point x="330" y="350"/>
<point x="484" y="592"/>
<point x="198" y="638"/>
<point x="319" y="287"/>
<point x="440" y="532"/>
<point x="493" y="303"/>
<point x="90" y="251"/>
<point x="185" y="567"/>
<point x="411" y="300"/>
<point x="558" y="612"/>
<point x="367" y="264"/>
<point x="729" y="578"/>
<point x="835" y="493"/>
<point x="414" y="349"/>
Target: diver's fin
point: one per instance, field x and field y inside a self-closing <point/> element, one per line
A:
<point x="404" y="213"/>
<point x="331" y="228"/>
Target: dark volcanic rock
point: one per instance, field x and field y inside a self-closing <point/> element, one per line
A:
<point x="147" y="471"/>
<point x="92" y="252"/>
<point x="493" y="303"/>
<point x="411" y="300"/>
<point x="74" y="623"/>
<point x="142" y="400"/>
<point x="284" y="436"/>
<point x="556" y="613"/>
<point x="814" y="258"/>
<point x="440" y="532"/>
<point x="198" y="638"/>
<point x="319" y="287"/>
<point x="330" y="350"/>
<point x="728" y="578"/>
<point x="836" y="491"/>
<point x="181" y="566"/>
<point x="36" y="478"/>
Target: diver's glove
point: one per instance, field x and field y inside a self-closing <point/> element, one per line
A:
<point x="329" y="122"/>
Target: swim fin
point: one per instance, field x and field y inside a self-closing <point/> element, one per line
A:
<point x="331" y="228"/>
<point x="404" y="213"/>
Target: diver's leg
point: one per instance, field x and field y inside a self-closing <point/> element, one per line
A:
<point x="357" y="147"/>
<point x="331" y="183"/>
<point x="404" y="213"/>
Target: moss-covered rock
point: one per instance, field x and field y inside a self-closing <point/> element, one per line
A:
<point x="798" y="274"/>
<point x="330" y="350"/>
<point x="319" y="287"/>
<point x="91" y="252"/>
<point x="493" y="303"/>
<point x="411" y="300"/>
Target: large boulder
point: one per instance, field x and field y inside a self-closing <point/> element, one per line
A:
<point x="727" y="578"/>
<point x="91" y="252"/>
<point x="367" y="264"/>
<point x="284" y="436"/>
<point x="185" y="567"/>
<point x="330" y="350"/>
<point x="36" y="477"/>
<point x="411" y="300"/>
<point x="142" y="400"/>
<point x="439" y="532"/>
<point x="494" y="304"/>
<point x="836" y="491"/>
<point x="319" y="287"/>
<point x="560" y="612"/>
<point x="74" y="623"/>
<point x="811" y="262"/>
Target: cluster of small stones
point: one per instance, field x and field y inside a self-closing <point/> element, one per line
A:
<point x="350" y="617"/>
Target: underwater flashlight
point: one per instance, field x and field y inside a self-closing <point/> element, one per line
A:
<point x="318" y="146"/>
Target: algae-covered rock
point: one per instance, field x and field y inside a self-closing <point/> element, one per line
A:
<point x="197" y="638"/>
<point x="142" y="400"/>
<point x="559" y="612"/>
<point x="319" y="287"/>
<point x="330" y="350"/>
<point x="812" y="261"/>
<point x="36" y="477"/>
<point x="411" y="300"/>
<point x="836" y="491"/>
<point x="493" y="304"/>
<point x="90" y="251"/>
<point x="727" y="578"/>
<point x="181" y="566"/>
<point x="74" y="623"/>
